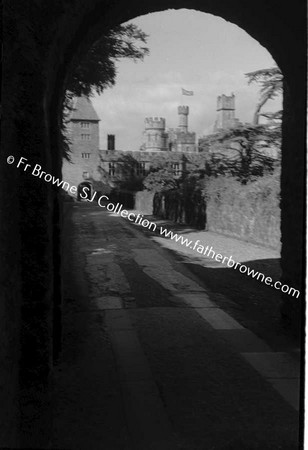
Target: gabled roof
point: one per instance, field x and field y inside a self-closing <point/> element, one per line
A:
<point x="83" y="110"/>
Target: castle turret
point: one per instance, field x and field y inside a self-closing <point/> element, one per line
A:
<point x="155" y="123"/>
<point x="226" y="103"/>
<point x="183" y="112"/>
<point x="225" y="112"/>
<point x="154" y="134"/>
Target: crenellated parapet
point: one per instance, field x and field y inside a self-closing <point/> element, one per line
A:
<point x="155" y="123"/>
<point x="155" y="138"/>
<point x="183" y="110"/>
<point x="226" y="102"/>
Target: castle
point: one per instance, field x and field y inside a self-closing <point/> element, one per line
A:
<point x="156" y="138"/>
<point x="226" y="113"/>
<point x="91" y="166"/>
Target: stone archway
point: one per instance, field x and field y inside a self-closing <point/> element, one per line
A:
<point x="41" y="43"/>
<point x="275" y="38"/>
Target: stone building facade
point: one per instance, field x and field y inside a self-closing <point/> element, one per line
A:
<point x="175" y="148"/>
<point x="83" y="135"/>
<point x="120" y="166"/>
<point x="105" y="169"/>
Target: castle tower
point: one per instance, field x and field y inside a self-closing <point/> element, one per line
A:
<point x="180" y="139"/>
<point x="183" y="112"/>
<point x="225" y="112"/>
<point x="155" y="137"/>
<point x="83" y="134"/>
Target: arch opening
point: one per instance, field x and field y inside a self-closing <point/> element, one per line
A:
<point x="91" y="25"/>
<point x="47" y="38"/>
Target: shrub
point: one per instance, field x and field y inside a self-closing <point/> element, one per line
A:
<point x="250" y="212"/>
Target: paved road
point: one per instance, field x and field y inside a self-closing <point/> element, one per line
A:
<point x="151" y="362"/>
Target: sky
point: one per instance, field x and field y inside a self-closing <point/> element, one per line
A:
<point x="191" y="50"/>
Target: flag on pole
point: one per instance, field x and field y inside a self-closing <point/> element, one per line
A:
<point x="185" y="92"/>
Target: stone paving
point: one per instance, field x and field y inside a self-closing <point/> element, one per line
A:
<point x="190" y="375"/>
<point x="240" y="251"/>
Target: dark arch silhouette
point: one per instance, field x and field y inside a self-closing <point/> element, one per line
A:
<point x="42" y="42"/>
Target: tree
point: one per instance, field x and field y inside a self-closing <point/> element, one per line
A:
<point x="161" y="179"/>
<point x="271" y="81"/>
<point x="97" y="70"/>
<point x="241" y="152"/>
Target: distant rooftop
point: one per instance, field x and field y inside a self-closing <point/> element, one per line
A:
<point x="83" y="109"/>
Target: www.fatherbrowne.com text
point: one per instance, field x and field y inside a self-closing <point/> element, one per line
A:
<point x="208" y="252"/>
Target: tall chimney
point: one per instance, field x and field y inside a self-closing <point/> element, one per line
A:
<point x="110" y="142"/>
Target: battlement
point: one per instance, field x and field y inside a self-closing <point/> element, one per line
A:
<point x="183" y="110"/>
<point x="155" y="123"/>
<point x="225" y="102"/>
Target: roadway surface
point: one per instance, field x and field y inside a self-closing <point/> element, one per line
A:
<point x="150" y="361"/>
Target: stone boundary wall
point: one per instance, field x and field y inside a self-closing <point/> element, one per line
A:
<point x="249" y="212"/>
<point x="176" y="206"/>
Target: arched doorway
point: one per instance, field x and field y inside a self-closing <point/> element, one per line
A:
<point x="88" y="26"/>
<point x="89" y="29"/>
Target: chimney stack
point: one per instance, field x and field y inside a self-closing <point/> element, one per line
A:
<point x="110" y="142"/>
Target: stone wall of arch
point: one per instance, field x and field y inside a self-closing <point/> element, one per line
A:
<point x="40" y="44"/>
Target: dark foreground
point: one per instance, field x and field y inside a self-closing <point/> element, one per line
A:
<point x="150" y="361"/>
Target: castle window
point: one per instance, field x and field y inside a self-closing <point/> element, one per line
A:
<point x="85" y="124"/>
<point x="86" y="137"/>
<point x="112" y="168"/>
<point x="85" y="155"/>
<point x="85" y="175"/>
<point x="176" y="168"/>
<point x="141" y="169"/>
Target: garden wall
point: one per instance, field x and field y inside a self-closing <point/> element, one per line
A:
<point x="181" y="208"/>
<point x="250" y="212"/>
